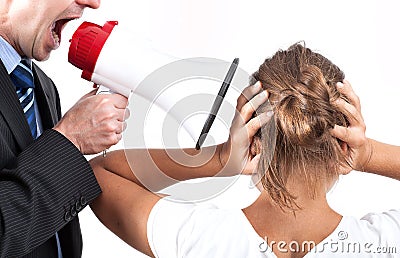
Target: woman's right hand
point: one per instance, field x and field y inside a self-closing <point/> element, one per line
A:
<point x="235" y="155"/>
<point x="357" y="146"/>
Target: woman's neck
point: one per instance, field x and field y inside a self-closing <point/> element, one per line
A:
<point x="314" y="221"/>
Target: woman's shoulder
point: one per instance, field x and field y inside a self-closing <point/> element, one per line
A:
<point x="381" y="219"/>
<point x="374" y="235"/>
<point x="203" y="230"/>
<point x="383" y="227"/>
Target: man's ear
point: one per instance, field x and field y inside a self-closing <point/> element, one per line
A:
<point x="255" y="147"/>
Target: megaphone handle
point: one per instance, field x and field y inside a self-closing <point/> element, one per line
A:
<point x="102" y="90"/>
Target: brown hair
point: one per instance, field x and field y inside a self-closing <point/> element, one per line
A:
<point x="302" y="87"/>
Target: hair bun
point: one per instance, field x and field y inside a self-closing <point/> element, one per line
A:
<point x="304" y="111"/>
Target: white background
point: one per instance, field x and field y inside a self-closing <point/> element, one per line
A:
<point x="361" y="37"/>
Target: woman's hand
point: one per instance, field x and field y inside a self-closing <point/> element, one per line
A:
<point x="355" y="143"/>
<point x="235" y="153"/>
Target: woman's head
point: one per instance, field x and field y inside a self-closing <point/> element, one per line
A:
<point x="302" y="88"/>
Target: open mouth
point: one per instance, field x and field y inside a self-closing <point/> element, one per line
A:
<point x="57" y="28"/>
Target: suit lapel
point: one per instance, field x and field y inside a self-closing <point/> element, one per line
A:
<point x="43" y="88"/>
<point x="11" y="110"/>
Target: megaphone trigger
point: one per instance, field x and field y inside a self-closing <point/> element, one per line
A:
<point x="103" y="90"/>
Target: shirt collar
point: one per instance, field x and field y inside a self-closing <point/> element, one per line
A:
<point x="9" y="56"/>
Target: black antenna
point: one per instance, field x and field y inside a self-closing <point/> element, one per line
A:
<point x="217" y="103"/>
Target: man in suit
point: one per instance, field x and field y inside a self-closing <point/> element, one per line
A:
<point x="44" y="179"/>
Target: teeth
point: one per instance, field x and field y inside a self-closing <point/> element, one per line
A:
<point x="55" y="36"/>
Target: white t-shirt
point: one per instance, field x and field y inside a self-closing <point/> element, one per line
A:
<point x="189" y="230"/>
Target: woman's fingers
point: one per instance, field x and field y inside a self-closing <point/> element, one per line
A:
<point x="354" y="133"/>
<point x="243" y="115"/>
<point x="346" y="89"/>
<point x="352" y="113"/>
<point x="257" y="122"/>
<point x="341" y="133"/>
<point x="247" y="94"/>
<point x="351" y="109"/>
<point x="250" y="107"/>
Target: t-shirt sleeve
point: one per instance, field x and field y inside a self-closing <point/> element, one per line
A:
<point x="386" y="225"/>
<point x="389" y="218"/>
<point x="165" y="226"/>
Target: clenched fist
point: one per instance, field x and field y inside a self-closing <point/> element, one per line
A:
<point x="95" y="122"/>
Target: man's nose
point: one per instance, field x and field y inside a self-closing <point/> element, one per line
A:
<point x="89" y="3"/>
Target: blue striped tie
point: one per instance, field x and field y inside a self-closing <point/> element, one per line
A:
<point x="22" y="78"/>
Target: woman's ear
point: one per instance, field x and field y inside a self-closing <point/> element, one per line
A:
<point x="255" y="147"/>
<point x="344" y="147"/>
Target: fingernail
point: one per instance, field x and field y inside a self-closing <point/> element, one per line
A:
<point x="339" y="85"/>
<point x="257" y="85"/>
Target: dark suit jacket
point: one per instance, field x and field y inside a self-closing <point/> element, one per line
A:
<point x="44" y="183"/>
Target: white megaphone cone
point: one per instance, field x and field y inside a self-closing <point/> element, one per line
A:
<point x="96" y="50"/>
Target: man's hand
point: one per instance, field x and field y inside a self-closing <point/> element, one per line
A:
<point x="95" y="122"/>
<point x="355" y="143"/>
<point x="235" y="153"/>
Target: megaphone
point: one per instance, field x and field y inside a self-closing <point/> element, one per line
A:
<point x="97" y="51"/>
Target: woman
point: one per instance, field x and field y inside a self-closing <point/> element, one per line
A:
<point x="319" y="135"/>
